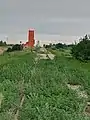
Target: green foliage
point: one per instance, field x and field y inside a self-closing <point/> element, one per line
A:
<point x="3" y="43"/>
<point x="9" y="49"/>
<point x="47" y="96"/>
<point x="15" y="47"/>
<point x="55" y="46"/>
<point x="82" y="49"/>
<point x="60" y="45"/>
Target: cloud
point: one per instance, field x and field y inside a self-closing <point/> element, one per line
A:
<point x="68" y="20"/>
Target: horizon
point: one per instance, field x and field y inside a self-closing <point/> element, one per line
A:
<point x="43" y="38"/>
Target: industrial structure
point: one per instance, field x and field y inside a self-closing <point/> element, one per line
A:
<point x="31" y="40"/>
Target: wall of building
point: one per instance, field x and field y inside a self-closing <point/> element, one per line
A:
<point x="31" y="40"/>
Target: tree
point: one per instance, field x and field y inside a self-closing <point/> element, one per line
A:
<point x="82" y="49"/>
<point x="20" y="42"/>
<point x="3" y="43"/>
<point x="59" y="45"/>
<point x="15" y="47"/>
<point x="9" y="50"/>
<point x="44" y="45"/>
<point x="86" y="37"/>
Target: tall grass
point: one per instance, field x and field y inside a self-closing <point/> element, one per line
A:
<point x="47" y="96"/>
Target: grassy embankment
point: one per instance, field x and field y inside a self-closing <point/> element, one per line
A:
<point x="43" y="87"/>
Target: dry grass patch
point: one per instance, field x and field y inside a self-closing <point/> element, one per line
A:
<point x="79" y="92"/>
<point x="1" y="99"/>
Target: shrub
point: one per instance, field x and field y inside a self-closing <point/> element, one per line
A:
<point x="82" y="49"/>
<point x="9" y="49"/>
<point x="3" y="43"/>
<point x="15" y="47"/>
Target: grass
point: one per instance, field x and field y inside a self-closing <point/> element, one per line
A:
<point x="47" y="96"/>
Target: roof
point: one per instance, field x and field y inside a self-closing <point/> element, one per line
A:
<point x="31" y="29"/>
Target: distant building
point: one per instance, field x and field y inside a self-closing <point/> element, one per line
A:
<point x="31" y="40"/>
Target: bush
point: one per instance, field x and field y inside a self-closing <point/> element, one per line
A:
<point x="82" y="49"/>
<point x="15" y="48"/>
<point x="3" y="43"/>
<point x="9" y="49"/>
<point x="55" y="46"/>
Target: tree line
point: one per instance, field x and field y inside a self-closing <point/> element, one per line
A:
<point x="55" y="46"/>
<point x="3" y="43"/>
<point x="79" y="50"/>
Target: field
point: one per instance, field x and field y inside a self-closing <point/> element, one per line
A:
<point x="56" y="89"/>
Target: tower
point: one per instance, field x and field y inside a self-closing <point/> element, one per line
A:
<point x="31" y="40"/>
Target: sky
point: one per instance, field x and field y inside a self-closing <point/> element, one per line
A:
<point x="51" y="19"/>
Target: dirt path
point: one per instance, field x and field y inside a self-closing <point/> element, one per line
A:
<point x="2" y="49"/>
<point x="1" y="99"/>
<point x="21" y="104"/>
<point x="44" y="54"/>
<point x="80" y="93"/>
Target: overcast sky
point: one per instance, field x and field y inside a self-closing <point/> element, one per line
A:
<point x="61" y="17"/>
